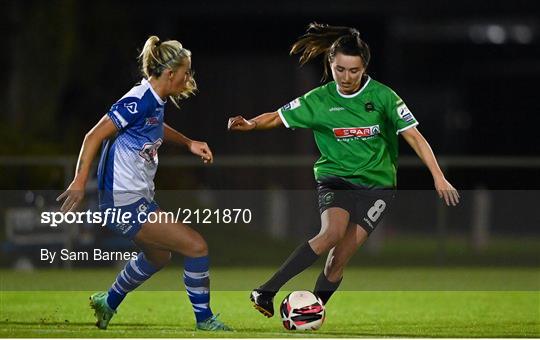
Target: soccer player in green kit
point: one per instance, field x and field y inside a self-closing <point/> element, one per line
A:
<point x="356" y="121"/>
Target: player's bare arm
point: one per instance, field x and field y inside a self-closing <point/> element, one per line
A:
<point x="196" y="147"/>
<point x="264" y="121"/>
<point x="74" y="194"/>
<point x="420" y="145"/>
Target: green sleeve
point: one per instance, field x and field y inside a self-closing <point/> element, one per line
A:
<point x="398" y="113"/>
<point x="297" y="114"/>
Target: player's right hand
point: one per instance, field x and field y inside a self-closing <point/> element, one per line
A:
<point x="73" y="196"/>
<point x="239" y="123"/>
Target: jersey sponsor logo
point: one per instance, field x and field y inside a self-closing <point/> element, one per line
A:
<point x="149" y="152"/>
<point x="361" y="132"/>
<point x="292" y="105"/>
<point x="336" y="109"/>
<point x="131" y="107"/>
<point x="152" y="121"/>
<point x="404" y="113"/>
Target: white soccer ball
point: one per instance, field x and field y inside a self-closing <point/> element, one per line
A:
<point x="302" y="310"/>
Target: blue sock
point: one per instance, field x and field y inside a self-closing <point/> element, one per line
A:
<point x="135" y="272"/>
<point x="197" y="281"/>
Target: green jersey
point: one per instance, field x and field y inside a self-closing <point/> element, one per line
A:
<point x="357" y="134"/>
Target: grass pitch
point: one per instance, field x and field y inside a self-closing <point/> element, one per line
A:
<point x="154" y="314"/>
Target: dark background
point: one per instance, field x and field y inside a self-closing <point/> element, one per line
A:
<point x="468" y="70"/>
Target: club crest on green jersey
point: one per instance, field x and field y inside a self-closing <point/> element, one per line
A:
<point x="369" y="107"/>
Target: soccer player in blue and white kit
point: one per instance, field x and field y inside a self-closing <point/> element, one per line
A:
<point x="131" y="133"/>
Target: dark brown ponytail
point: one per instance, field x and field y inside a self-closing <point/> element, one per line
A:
<point x="330" y="40"/>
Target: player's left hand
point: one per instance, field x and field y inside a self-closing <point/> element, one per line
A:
<point x="447" y="191"/>
<point x="201" y="149"/>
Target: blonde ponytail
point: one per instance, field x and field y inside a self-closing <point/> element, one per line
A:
<point x="157" y="56"/>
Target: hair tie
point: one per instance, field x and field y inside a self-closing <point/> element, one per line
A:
<point x="158" y="43"/>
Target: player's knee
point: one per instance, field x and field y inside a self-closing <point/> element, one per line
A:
<point x="199" y="248"/>
<point x="325" y="241"/>
<point x="333" y="237"/>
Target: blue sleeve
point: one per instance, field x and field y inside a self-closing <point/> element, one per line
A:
<point x="126" y="112"/>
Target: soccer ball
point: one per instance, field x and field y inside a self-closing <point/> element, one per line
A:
<point x="302" y="310"/>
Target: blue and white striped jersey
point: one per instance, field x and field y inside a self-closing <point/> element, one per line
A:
<point x="129" y="161"/>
